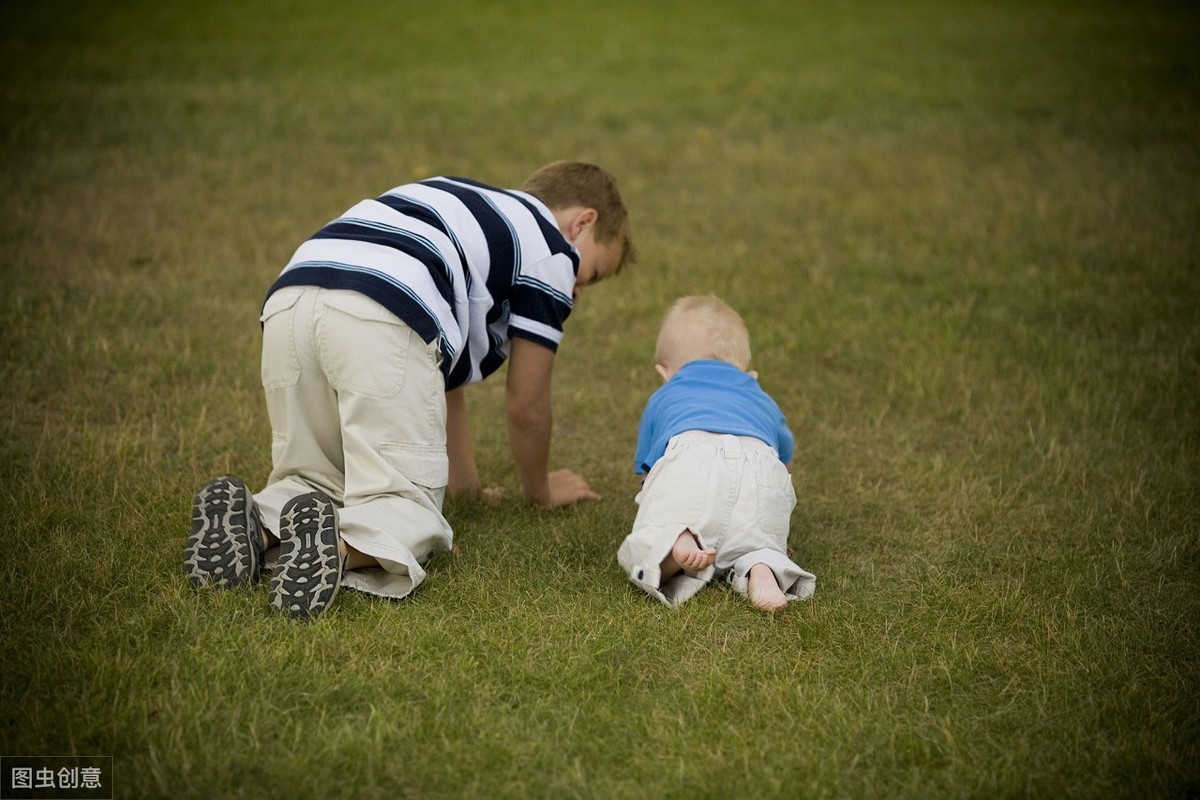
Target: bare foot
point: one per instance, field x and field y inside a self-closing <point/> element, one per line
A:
<point x="687" y="555"/>
<point x="763" y="590"/>
<point x="353" y="558"/>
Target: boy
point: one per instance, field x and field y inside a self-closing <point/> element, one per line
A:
<point x="370" y="334"/>
<point x="718" y="497"/>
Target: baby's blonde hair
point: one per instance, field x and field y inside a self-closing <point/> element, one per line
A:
<point x="702" y="327"/>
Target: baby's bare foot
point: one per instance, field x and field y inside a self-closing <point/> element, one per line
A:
<point x="763" y="590"/>
<point x="689" y="556"/>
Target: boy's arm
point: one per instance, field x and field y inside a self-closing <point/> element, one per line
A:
<point x="529" y="414"/>
<point x="464" y="475"/>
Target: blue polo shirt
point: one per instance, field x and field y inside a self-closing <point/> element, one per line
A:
<point x="712" y="396"/>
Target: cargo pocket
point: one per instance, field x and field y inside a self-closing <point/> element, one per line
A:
<point x="364" y="347"/>
<point x="425" y="465"/>
<point x="776" y="497"/>
<point x="280" y="359"/>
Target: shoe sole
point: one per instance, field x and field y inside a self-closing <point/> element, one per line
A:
<point x="224" y="548"/>
<point x="308" y="573"/>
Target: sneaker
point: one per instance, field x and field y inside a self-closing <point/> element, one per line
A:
<point x="225" y="546"/>
<point x="309" y="570"/>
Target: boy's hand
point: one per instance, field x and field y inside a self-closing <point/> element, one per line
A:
<point x="567" y="487"/>
<point x="488" y="494"/>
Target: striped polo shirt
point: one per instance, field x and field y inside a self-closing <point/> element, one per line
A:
<point x="463" y="264"/>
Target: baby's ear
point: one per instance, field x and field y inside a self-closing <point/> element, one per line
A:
<point x="663" y="372"/>
<point x="753" y="373"/>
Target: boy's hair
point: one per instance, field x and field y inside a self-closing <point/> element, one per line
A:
<point x="703" y="326"/>
<point x="573" y="183"/>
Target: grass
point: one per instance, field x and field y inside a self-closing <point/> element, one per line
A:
<point x="963" y="236"/>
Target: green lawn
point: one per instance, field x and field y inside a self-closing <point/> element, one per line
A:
<point x="965" y="237"/>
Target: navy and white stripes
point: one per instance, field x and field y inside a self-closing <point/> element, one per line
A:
<point x="464" y="264"/>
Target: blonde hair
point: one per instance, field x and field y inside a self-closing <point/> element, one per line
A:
<point x="702" y="327"/>
<point x="564" y="184"/>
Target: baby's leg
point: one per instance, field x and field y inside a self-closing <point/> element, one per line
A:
<point x="686" y="555"/>
<point x="763" y="590"/>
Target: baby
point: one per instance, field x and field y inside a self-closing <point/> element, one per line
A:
<point x="716" y="451"/>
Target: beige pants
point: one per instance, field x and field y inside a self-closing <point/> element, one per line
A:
<point x="735" y="495"/>
<point x="358" y="410"/>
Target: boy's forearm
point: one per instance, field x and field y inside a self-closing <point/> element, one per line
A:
<point x="529" y="440"/>
<point x="464" y="475"/>
<point x="529" y="415"/>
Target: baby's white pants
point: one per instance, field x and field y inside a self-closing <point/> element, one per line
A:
<point x="735" y="495"/>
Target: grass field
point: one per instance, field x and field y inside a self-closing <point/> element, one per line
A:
<point x="964" y="236"/>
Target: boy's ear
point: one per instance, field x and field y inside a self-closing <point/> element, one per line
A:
<point x="581" y="219"/>
<point x="663" y="372"/>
